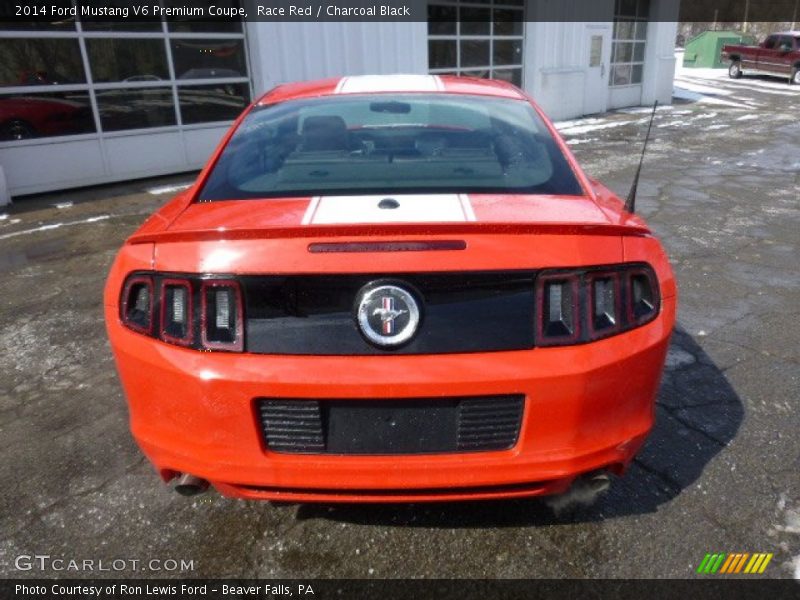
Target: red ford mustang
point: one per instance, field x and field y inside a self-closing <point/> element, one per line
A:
<point x="391" y="288"/>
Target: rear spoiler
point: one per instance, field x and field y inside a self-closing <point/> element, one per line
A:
<point x="631" y="227"/>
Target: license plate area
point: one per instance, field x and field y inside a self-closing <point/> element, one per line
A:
<point x="389" y="427"/>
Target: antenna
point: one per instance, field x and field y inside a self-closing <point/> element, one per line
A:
<point x="630" y="203"/>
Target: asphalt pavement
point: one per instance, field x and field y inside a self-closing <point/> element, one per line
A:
<point x="720" y="473"/>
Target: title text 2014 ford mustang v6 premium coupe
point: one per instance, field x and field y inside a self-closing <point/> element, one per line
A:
<point x="391" y="288"/>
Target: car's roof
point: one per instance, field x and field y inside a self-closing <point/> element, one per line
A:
<point x="796" y="33"/>
<point x="391" y="84"/>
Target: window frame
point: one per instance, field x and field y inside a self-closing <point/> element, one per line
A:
<point x="635" y="19"/>
<point x="490" y="37"/>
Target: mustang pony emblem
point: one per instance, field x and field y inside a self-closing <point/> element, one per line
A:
<point x="388" y="313"/>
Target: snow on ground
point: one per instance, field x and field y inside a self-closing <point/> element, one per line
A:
<point x="694" y="95"/>
<point x="580" y="126"/>
<point x="168" y="189"/>
<point x="684" y="121"/>
<point x="637" y="110"/>
<point x="50" y="226"/>
<point x="576" y="141"/>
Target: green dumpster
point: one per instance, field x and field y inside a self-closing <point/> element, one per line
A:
<point x="703" y="50"/>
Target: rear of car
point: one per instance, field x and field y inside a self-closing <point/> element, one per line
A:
<point x="396" y="289"/>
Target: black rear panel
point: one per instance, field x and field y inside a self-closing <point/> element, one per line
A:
<point x="413" y="426"/>
<point x="462" y="312"/>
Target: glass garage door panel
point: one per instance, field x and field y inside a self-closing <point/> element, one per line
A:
<point x="127" y="108"/>
<point x="443" y="54"/>
<point x="26" y="116"/>
<point x="208" y="58"/>
<point x="40" y="61"/>
<point x="507" y="21"/>
<point x="205" y="103"/>
<point x="477" y="38"/>
<point x="507" y="52"/>
<point x="128" y="60"/>
<point x="475" y="53"/>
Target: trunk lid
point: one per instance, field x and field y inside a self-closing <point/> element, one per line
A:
<point x="414" y="214"/>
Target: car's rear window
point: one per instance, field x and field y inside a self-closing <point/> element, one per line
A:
<point x="413" y="143"/>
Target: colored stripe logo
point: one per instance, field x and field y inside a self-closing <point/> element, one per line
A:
<point x="734" y="563"/>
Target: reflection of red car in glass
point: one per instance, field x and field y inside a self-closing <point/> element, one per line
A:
<point x="23" y="117"/>
<point x="398" y="288"/>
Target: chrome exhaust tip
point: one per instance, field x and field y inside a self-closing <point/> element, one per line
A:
<point x="189" y="485"/>
<point x="598" y="482"/>
<point x="583" y="492"/>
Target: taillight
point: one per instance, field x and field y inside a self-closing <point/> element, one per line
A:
<point x="176" y="311"/>
<point x="199" y="312"/>
<point x="574" y="306"/>
<point x="642" y="294"/>
<point x="136" y="306"/>
<point x="557" y="300"/>
<point x="605" y="303"/>
<point x="221" y="326"/>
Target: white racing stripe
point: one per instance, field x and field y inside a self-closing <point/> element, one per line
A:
<point x="412" y="208"/>
<point x="312" y="208"/>
<point x="466" y="206"/>
<point x="362" y="84"/>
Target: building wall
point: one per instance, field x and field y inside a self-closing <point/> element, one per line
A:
<point x="554" y="71"/>
<point x="660" y="54"/>
<point x="283" y="52"/>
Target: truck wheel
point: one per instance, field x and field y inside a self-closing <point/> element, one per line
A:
<point x="795" y="78"/>
<point x="735" y="70"/>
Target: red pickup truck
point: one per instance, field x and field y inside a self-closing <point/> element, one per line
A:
<point x="779" y="54"/>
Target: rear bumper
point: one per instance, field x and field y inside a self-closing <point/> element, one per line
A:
<point x="395" y="495"/>
<point x="587" y="407"/>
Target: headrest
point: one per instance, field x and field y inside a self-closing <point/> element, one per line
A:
<point x="324" y="132"/>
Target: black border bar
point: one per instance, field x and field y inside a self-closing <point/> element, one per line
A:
<point x="711" y="587"/>
<point x="733" y="12"/>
